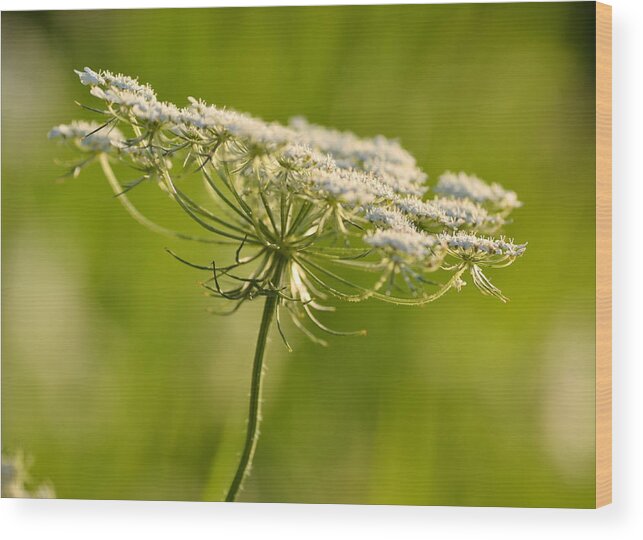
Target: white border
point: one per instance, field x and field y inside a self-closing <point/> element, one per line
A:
<point x="622" y="520"/>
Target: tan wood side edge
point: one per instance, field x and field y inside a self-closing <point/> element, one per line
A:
<point x="603" y="254"/>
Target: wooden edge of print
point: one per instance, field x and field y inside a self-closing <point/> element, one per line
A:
<point x="603" y="254"/>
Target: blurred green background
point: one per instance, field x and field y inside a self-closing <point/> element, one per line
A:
<point x="117" y="382"/>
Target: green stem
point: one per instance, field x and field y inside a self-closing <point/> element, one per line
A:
<point x="254" y="410"/>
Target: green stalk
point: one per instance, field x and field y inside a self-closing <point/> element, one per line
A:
<point x="254" y="410"/>
<point x="140" y="218"/>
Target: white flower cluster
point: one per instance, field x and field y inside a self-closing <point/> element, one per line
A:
<point x="417" y="244"/>
<point x="372" y="183"/>
<point x="89" y="77"/>
<point x="127" y="96"/>
<point x="453" y="214"/>
<point x="470" y="244"/>
<point x="115" y="84"/>
<point x="379" y="155"/>
<point x="346" y="185"/>
<point x="390" y="218"/>
<point x="371" y="163"/>
<point x="89" y="136"/>
<point x="298" y="157"/>
<point x="463" y="186"/>
<point x="227" y="122"/>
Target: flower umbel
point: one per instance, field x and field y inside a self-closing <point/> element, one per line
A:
<point x="311" y="213"/>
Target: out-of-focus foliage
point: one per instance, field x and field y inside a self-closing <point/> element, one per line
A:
<point x="18" y="483"/>
<point x="120" y="384"/>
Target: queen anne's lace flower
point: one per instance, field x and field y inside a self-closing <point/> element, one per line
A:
<point x="308" y="200"/>
<point x="311" y="212"/>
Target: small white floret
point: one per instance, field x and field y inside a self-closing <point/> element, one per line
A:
<point x="463" y="186"/>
